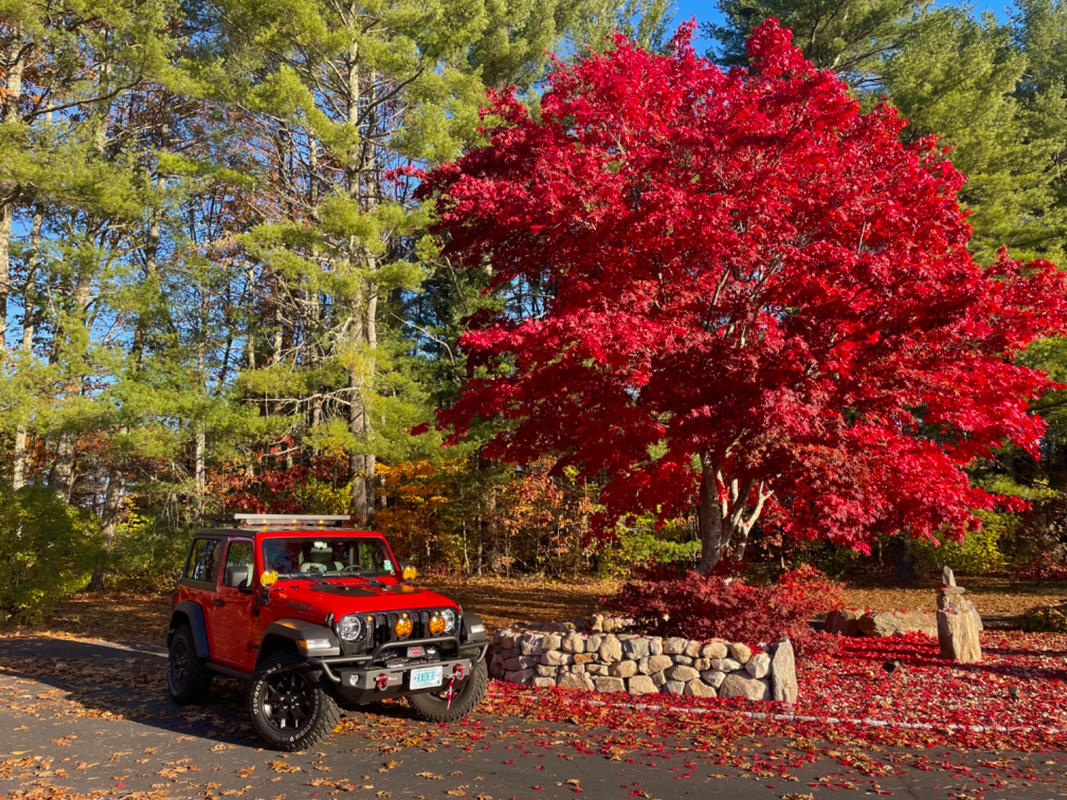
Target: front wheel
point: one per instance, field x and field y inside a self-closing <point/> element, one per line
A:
<point x="288" y="705"/>
<point x="187" y="678"/>
<point x="435" y="707"/>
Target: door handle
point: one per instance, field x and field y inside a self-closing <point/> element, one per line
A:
<point x="218" y="602"/>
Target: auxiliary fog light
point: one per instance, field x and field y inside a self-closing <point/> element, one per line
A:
<point x="403" y="626"/>
<point x="437" y="623"/>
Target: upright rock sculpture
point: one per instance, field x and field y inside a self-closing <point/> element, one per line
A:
<point x="958" y="622"/>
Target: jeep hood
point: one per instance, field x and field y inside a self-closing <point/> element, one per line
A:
<point x="348" y="597"/>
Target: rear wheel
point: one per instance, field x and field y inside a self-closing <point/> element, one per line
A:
<point x="435" y="707"/>
<point x="288" y="705"/>
<point x="187" y="678"/>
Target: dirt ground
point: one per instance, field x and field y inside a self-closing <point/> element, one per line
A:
<point x="502" y="601"/>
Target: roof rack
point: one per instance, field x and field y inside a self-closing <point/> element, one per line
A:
<point x="288" y="520"/>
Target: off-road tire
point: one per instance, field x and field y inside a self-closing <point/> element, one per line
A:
<point x="434" y="706"/>
<point x="289" y="707"/>
<point x="187" y="678"/>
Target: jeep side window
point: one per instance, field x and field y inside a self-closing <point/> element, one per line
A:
<point x="238" y="572"/>
<point x="203" y="561"/>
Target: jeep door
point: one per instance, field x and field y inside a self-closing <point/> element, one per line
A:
<point x="230" y="628"/>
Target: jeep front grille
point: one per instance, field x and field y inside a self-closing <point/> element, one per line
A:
<point x="383" y="630"/>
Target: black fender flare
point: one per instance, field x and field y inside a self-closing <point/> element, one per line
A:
<point x="308" y="639"/>
<point x="473" y="631"/>
<point x="195" y="615"/>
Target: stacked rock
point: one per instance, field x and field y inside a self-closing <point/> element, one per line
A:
<point x="543" y="655"/>
<point x="958" y="622"/>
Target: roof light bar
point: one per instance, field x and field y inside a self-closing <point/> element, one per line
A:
<point x="306" y="520"/>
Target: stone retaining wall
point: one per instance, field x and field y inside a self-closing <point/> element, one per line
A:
<point x="555" y="654"/>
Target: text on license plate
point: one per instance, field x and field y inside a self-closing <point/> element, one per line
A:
<point x="425" y="677"/>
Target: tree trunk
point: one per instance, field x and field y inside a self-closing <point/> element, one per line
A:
<point x="713" y="543"/>
<point x="109" y="514"/>
<point x="727" y="510"/>
<point x="29" y="325"/>
<point x="14" y="63"/>
<point x="61" y="476"/>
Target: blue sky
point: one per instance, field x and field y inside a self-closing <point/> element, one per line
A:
<point x="704" y="10"/>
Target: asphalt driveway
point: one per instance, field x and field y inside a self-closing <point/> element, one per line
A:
<point x="84" y="718"/>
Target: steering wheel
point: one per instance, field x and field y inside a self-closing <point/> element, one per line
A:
<point x="351" y="569"/>
<point x="312" y="566"/>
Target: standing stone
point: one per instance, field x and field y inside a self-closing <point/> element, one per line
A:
<point x="953" y="597"/>
<point x="641" y="684"/>
<point x="783" y="672"/>
<point x="958" y="637"/>
<point x="947" y="577"/>
<point x="739" y="684"/>
<point x="740" y="652"/>
<point x="759" y="665"/>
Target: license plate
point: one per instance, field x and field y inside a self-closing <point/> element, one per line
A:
<point x="425" y="677"/>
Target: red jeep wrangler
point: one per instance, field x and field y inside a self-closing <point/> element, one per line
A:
<point x="314" y="615"/>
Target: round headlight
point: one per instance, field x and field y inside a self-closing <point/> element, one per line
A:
<point x="450" y="620"/>
<point x="350" y="628"/>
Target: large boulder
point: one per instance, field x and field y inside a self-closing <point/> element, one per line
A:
<point x="894" y="623"/>
<point x="845" y="621"/>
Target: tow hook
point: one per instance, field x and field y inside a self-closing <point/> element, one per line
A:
<point x="457" y="675"/>
<point x="381" y="683"/>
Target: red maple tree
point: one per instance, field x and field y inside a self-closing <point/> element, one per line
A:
<point x="761" y="300"/>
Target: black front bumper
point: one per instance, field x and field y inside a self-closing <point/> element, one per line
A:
<point x="368" y="678"/>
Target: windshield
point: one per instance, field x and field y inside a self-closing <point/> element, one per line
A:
<point x="310" y="556"/>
